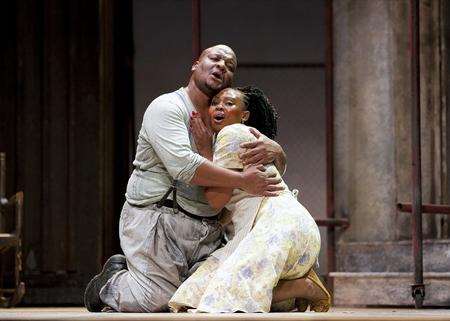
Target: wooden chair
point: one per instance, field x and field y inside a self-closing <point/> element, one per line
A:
<point x="10" y="240"/>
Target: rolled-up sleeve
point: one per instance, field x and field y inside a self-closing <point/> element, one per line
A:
<point x="168" y="134"/>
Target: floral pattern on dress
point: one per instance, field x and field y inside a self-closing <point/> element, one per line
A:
<point x="283" y="243"/>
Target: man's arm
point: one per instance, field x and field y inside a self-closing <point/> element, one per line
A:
<point x="165" y="129"/>
<point x="264" y="151"/>
<point x="169" y="137"/>
<point x="217" y="196"/>
<point x="253" y="180"/>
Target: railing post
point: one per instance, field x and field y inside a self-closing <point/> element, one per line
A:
<point x="331" y="248"/>
<point x="418" y="288"/>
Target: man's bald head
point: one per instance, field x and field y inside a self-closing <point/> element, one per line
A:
<point x="214" y="69"/>
<point x="221" y="48"/>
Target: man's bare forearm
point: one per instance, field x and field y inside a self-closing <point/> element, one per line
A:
<point x="280" y="161"/>
<point x="208" y="174"/>
<point x="253" y="179"/>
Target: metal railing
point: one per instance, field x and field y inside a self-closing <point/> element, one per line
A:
<point x="416" y="208"/>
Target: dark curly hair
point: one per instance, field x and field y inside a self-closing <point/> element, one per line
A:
<point x="263" y="115"/>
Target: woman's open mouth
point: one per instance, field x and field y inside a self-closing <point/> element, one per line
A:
<point x="218" y="117"/>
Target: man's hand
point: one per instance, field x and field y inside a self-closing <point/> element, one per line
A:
<point x="257" y="182"/>
<point x="202" y="135"/>
<point x="263" y="151"/>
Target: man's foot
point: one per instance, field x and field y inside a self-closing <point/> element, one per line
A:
<point x="92" y="300"/>
<point x="108" y="309"/>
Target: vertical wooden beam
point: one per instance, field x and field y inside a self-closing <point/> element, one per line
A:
<point x="72" y="158"/>
<point x="55" y="136"/>
<point x="106" y="120"/>
<point x="8" y="91"/>
<point x="86" y="197"/>
<point x="196" y="29"/>
<point x="29" y="125"/>
<point x="123" y="127"/>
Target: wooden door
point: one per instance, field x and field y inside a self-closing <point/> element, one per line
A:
<point x="65" y="126"/>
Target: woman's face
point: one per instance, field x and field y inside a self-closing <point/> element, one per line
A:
<point x="227" y="108"/>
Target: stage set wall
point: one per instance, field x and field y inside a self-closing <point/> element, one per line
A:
<point x="77" y="76"/>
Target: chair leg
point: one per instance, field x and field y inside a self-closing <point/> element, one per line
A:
<point x="20" y="286"/>
<point x="18" y="295"/>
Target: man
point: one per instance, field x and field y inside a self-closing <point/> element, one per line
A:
<point x="166" y="226"/>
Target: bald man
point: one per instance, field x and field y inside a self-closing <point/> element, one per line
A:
<point x="166" y="226"/>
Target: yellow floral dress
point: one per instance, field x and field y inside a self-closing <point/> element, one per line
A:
<point x="275" y="238"/>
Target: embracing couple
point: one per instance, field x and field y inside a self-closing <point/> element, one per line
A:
<point x="206" y="163"/>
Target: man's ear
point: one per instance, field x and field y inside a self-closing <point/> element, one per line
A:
<point x="194" y="66"/>
<point x="245" y="116"/>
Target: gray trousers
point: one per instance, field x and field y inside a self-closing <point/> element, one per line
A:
<point x="162" y="250"/>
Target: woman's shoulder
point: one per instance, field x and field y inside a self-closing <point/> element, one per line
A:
<point x="236" y="131"/>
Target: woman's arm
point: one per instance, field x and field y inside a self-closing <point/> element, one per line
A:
<point x="218" y="197"/>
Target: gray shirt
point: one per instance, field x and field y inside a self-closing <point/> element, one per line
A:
<point x="167" y="150"/>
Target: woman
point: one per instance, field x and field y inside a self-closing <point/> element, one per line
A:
<point x="275" y="237"/>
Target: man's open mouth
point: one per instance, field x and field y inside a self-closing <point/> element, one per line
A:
<point x="217" y="75"/>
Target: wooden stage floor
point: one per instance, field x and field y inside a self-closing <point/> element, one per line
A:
<point x="353" y="314"/>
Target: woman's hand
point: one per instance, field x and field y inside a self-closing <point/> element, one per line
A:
<point x="218" y="197"/>
<point x="202" y="135"/>
<point x="263" y="151"/>
<point x="257" y="182"/>
<point x="225" y="217"/>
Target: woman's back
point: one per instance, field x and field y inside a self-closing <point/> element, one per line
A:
<point x="245" y="208"/>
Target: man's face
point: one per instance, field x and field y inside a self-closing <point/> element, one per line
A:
<point x="214" y="70"/>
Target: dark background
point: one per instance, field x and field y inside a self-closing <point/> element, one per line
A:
<point x="280" y="47"/>
<point x="76" y="77"/>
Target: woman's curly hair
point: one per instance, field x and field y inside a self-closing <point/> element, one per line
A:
<point x="263" y="115"/>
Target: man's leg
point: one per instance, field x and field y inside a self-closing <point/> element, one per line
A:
<point x="160" y="248"/>
<point x="151" y="278"/>
<point x="92" y="299"/>
<point x="124" y="293"/>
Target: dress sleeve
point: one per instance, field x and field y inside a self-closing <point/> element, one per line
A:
<point x="227" y="149"/>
